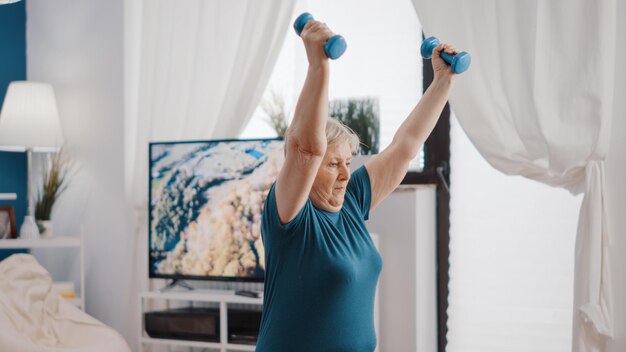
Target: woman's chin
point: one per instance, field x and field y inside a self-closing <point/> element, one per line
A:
<point x="337" y="204"/>
<point x="331" y="205"/>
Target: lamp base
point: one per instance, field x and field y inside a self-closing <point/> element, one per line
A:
<point x="29" y="228"/>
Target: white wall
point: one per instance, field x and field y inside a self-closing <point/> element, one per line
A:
<point x="77" y="46"/>
<point x="511" y="258"/>
<point x="616" y="189"/>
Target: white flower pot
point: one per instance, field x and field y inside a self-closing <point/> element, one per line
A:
<point x="47" y="228"/>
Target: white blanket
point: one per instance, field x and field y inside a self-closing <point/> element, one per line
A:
<point x="35" y="318"/>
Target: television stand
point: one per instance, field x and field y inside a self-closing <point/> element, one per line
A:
<point x="234" y="333"/>
<point x="176" y="283"/>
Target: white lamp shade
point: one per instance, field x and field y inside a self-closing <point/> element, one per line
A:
<point x="30" y="117"/>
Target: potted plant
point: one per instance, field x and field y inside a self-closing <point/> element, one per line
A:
<point x="362" y="116"/>
<point x="274" y="108"/>
<point x="54" y="183"/>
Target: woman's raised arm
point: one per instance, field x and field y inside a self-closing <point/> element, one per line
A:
<point x="305" y="143"/>
<point x="387" y="169"/>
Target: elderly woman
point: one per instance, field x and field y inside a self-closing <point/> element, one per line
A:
<point x="321" y="265"/>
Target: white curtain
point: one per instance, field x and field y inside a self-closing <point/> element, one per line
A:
<point x="537" y="102"/>
<point x="203" y="68"/>
<point x="194" y="70"/>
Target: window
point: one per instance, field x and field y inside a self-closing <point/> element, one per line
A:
<point x="382" y="61"/>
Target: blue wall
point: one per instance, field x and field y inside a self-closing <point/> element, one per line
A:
<point x="12" y="44"/>
<point x="12" y="68"/>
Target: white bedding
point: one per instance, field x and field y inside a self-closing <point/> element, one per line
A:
<point x="34" y="318"/>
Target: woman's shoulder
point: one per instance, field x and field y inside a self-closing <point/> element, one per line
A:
<point x="271" y="221"/>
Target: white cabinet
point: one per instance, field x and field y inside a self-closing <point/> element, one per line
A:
<point x="52" y="243"/>
<point x="222" y="297"/>
<point x="406" y="223"/>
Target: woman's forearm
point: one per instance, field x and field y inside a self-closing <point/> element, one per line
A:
<point x="419" y="124"/>
<point x="309" y="121"/>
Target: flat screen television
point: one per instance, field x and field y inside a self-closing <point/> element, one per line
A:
<point x="205" y="203"/>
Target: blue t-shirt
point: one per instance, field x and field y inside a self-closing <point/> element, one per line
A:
<point x="321" y="271"/>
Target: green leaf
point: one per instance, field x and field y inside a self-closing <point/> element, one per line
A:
<point x="54" y="182"/>
<point x="362" y="116"/>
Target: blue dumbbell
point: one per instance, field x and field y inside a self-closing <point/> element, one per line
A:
<point x="334" y="47"/>
<point x="459" y="62"/>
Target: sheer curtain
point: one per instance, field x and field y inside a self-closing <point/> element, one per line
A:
<point x="194" y="70"/>
<point x="537" y="102"/>
<point x="203" y="66"/>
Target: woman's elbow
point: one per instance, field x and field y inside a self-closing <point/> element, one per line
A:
<point x="405" y="150"/>
<point x="307" y="146"/>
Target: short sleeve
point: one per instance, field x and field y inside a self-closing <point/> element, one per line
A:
<point x="359" y="188"/>
<point x="271" y="228"/>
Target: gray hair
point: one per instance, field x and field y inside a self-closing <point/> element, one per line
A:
<point x="337" y="133"/>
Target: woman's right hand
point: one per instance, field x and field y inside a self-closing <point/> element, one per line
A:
<point x="441" y="70"/>
<point x="314" y="35"/>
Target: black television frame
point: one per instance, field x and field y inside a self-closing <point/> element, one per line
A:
<point x="180" y="277"/>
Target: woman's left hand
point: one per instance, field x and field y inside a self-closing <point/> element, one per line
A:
<point x="440" y="68"/>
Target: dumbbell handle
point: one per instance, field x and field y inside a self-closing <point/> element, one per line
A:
<point x="334" y="47"/>
<point x="459" y="62"/>
<point x="447" y="57"/>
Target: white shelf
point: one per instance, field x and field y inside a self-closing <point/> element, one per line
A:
<point x="223" y="297"/>
<point x="197" y="344"/>
<point x="205" y="295"/>
<point x="61" y="242"/>
<point x="75" y="301"/>
<point x="231" y="347"/>
<point x="8" y="196"/>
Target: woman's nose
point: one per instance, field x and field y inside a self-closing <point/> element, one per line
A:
<point x="344" y="172"/>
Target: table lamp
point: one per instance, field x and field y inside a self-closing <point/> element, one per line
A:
<point x="30" y="120"/>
